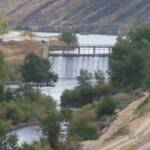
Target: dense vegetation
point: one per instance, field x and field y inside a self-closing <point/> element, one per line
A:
<point x="129" y="66"/>
<point x="129" y="62"/>
<point x="24" y="105"/>
<point x="86" y="92"/>
<point x="95" y="98"/>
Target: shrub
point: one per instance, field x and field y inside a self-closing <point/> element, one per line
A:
<point x="106" y="106"/>
<point x="78" y="97"/>
<point x="123" y="99"/>
<point x="67" y="98"/>
<point x="66" y="113"/>
<point x="86" y="113"/>
<point x="83" y="130"/>
<point x="13" y="113"/>
<point x="104" y="89"/>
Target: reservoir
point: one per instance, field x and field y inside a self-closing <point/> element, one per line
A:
<point x="68" y="68"/>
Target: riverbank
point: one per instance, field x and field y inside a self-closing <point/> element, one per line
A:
<point x="23" y="125"/>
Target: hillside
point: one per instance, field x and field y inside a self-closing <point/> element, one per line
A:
<point x="130" y="131"/>
<point x="96" y="16"/>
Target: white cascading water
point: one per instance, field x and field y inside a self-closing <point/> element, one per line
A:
<point x="69" y="67"/>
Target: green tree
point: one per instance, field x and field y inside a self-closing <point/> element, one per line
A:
<point x="7" y="141"/>
<point x="3" y="25"/>
<point x="51" y="128"/>
<point x="37" y="70"/>
<point x="129" y="62"/>
<point x="69" y="38"/>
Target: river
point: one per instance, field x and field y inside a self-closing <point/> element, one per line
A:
<point x="68" y="69"/>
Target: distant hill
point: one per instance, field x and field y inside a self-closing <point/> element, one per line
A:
<point x="96" y="16"/>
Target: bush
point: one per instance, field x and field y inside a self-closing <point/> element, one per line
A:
<point x="123" y="100"/>
<point x="86" y="113"/>
<point x="83" y="124"/>
<point x="83" y="130"/>
<point x="104" y="90"/>
<point x="78" y="97"/>
<point x="66" y="114"/>
<point x="106" y="106"/>
<point x="13" y="113"/>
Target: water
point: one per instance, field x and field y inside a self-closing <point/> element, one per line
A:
<point x="34" y="133"/>
<point x="28" y="134"/>
<point x="68" y="69"/>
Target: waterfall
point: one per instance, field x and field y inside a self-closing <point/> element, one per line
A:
<point x="69" y="67"/>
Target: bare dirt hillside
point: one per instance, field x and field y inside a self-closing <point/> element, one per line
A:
<point x="130" y="131"/>
<point x="97" y="16"/>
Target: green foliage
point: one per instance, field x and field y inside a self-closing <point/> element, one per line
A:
<point x="25" y="111"/>
<point x="85" y="94"/>
<point x="84" y="77"/>
<point x="7" y="141"/>
<point x="78" y="97"/>
<point x="14" y="71"/>
<point x="51" y="127"/>
<point x="3" y="25"/>
<point x="106" y="106"/>
<point x="3" y="75"/>
<point x="83" y="125"/>
<point x="129" y="62"/>
<point x="69" y="38"/>
<point x="37" y="70"/>
<point x="66" y="114"/>
<point x="83" y="130"/>
<point x="42" y="145"/>
<point x="99" y="76"/>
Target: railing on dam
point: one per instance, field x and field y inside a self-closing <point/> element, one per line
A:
<point x="82" y="50"/>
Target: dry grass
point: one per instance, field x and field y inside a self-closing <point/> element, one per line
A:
<point x="17" y="50"/>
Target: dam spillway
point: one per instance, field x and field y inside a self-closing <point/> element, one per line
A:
<point x="69" y="67"/>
